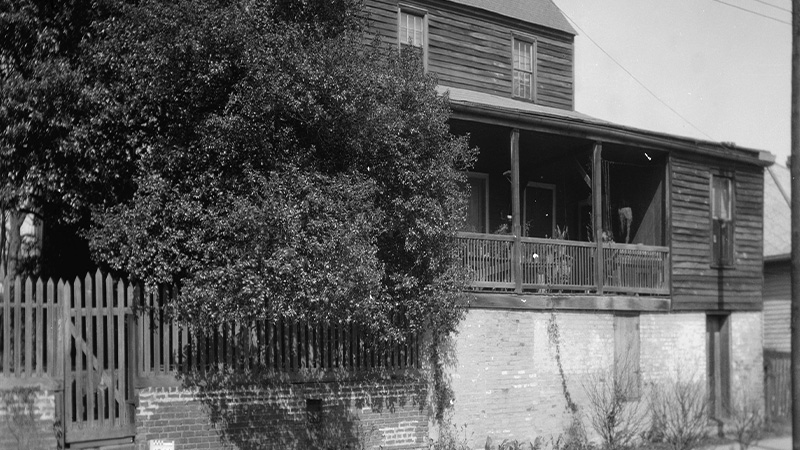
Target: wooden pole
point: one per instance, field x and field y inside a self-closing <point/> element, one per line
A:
<point x="516" y="228"/>
<point x="597" y="212"/>
<point x="795" y="172"/>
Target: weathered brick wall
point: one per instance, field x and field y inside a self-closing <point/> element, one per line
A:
<point x="26" y="419"/>
<point x="378" y="413"/>
<point x="672" y="346"/>
<point x="747" y="359"/>
<point x="507" y="380"/>
<point x="506" y="376"/>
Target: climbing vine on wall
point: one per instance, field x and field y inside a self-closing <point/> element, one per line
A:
<point x="554" y="336"/>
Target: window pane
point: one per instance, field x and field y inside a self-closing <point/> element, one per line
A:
<point x="522" y="72"/>
<point x="522" y="84"/>
<point x="522" y="56"/>
<point x="411" y="29"/>
<point x="721" y="198"/>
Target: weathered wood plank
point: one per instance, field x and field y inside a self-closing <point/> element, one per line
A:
<point x="17" y="325"/>
<point x="29" y="334"/>
<point x="6" y="298"/>
<point x="39" y="340"/>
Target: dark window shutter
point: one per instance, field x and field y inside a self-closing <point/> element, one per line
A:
<point x="726" y="243"/>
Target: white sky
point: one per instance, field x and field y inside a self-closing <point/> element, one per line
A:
<point x="725" y="70"/>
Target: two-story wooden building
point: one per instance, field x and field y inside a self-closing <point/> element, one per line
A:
<point x="587" y="242"/>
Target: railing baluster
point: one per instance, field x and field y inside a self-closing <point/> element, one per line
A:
<point x="558" y="265"/>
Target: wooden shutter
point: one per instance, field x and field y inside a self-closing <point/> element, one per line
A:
<point x="626" y="354"/>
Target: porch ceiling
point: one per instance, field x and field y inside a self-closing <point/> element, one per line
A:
<point x="497" y="110"/>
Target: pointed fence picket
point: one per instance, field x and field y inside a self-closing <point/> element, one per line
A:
<point x="28" y="335"/>
<point x="169" y="346"/>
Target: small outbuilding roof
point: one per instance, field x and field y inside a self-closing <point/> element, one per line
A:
<point x="539" y="12"/>
<point x="777" y="213"/>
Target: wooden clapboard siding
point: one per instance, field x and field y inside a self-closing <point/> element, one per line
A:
<point x="696" y="283"/>
<point x="471" y="49"/>
<point x="777" y="303"/>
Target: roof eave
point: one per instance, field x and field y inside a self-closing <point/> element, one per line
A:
<point x="607" y="131"/>
<point x="783" y="257"/>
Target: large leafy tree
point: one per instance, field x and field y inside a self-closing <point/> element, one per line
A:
<point x="288" y="165"/>
<point x="57" y="152"/>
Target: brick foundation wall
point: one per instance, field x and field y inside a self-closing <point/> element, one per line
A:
<point x="507" y="382"/>
<point x="673" y="346"/>
<point x="385" y="414"/>
<point x="26" y="418"/>
<point x="747" y="359"/>
<point x="506" y="377"/>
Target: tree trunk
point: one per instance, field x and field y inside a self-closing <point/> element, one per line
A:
<point x="14" y="242"/>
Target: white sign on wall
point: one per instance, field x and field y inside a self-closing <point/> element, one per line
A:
<point x="158" y="444"/>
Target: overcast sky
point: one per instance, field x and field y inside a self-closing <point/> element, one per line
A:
<point x="726" y="71"/>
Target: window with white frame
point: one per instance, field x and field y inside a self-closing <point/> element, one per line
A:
<point x="523" y="71"/>
<point x="412" y="29"/>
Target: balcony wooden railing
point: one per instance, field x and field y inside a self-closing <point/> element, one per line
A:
<point x="551" y="265"/>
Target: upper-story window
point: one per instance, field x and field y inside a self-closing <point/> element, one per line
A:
<point x="524" y="73"/>
<point x="722" y="220"/>
<point x="412" y="29"/>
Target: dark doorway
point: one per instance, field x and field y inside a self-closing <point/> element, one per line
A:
<point x="719" y="364"/>
<point x="540" y="207"/>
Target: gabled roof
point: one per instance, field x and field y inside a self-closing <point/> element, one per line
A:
<point x="539" y="12"/>
<point x="777" y="213"/>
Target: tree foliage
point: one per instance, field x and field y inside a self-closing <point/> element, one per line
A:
<point x="288" y="165"/>
<point x="56" y="157"/>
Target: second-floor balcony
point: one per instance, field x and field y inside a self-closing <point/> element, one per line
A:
<point x="564" y="215"/>
<point x="496" y="262"/>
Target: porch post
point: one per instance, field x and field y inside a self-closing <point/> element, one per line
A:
<point x="597" y="212"/>
<point x="516" y="251"/>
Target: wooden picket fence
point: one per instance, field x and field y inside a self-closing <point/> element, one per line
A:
<point x="167" y="346"/>
<point x="777" y="386"/>
<point x="30" y="311"/>
<point x="95" y="339"/>
<point x="28" y="317"/>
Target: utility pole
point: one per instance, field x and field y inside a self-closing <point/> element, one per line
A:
<point x="795" y="171"/>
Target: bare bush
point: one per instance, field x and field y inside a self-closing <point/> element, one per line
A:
<point x="746" y="421"/>
<point x="615" y="410"/>
<point x="679" y="413"/>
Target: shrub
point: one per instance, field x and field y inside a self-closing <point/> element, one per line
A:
<point x="451" y="437"/>
<point x="615" y="411"/>
<point x="747" y="421"/>
<point x="679" y="414"/>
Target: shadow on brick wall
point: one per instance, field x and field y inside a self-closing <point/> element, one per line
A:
<point x="340" y="412"/>
<point x="21" y="426"/>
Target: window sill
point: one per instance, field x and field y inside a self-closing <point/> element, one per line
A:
<point x="523" y="99"/>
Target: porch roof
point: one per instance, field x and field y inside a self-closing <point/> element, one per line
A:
<point x="505" y="111"/>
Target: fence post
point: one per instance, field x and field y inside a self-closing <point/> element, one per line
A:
<point x="132" y="363"/>
<point x="61" y="349"/>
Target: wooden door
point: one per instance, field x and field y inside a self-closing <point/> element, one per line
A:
<point x="718" y="366"/>
<point x="97" y="385"/>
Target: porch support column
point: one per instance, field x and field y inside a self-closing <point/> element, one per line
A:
<point x="597" y="212"/>
<point x="516" y="251"/>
